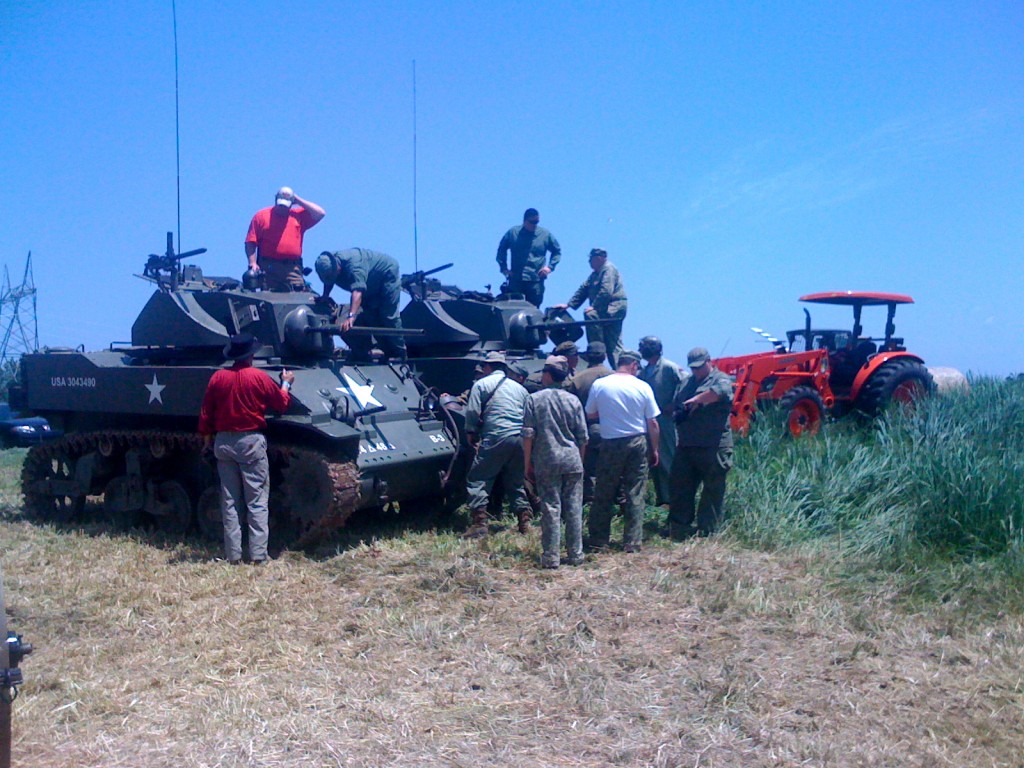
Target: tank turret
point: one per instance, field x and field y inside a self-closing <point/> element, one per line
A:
<point x="356" y="435"/>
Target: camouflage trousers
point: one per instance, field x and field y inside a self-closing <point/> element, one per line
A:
<point x="561" y="501"/>
<point x="623" y="462"/>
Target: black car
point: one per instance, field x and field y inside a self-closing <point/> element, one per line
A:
<point x="24" y="431"/>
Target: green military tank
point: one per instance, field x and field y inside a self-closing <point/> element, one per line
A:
<point x="357" y="435"/>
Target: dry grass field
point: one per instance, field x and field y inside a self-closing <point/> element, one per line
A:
<point x="410" y="648"/>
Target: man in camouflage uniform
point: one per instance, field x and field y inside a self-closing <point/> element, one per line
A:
<point x="629" y="433"/>
<point x="529" y="244"/>
<point x="664" y="376"/>
<point x="554" y="443"/>
<point x="606" y="293"/>
<point x="704" y="450"/>
<point x="579" y="384"/>
<point x="494" y="421"/>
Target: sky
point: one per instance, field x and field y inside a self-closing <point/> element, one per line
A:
<point x="730" y="157"/>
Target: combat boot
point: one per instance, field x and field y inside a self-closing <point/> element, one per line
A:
<point x="525" y="515"/>
<point x="478" y="527"/>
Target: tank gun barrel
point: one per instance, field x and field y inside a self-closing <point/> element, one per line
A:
<point x="415" y="277"/>
<point x="553" y="326"/>
<point x="364" y="330"/>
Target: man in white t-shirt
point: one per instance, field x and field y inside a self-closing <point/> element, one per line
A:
<point x="628" y="416"/>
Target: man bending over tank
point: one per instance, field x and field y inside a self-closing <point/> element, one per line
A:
<point x="376" y="287"/>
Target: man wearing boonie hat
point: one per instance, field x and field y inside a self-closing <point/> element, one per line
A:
<point x="554" y="443"/>
<point x="494" y="421"/>
<point x="628" y="415"/>
<point x="703" y="450"/>
<point x="273" y="243"/>
<point x="233" y="410"/>
<point x="606" y="293"/>
<point x="580" y="385"/>
<point x="373" y="279"/>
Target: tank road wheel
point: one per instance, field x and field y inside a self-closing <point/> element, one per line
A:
<point x="208" y="514"/>
<point x="123" y="498"/>
<point x="45" y="471"/>
<point x="902" y="380"/>
<point x="172" y="508"/>
<point x="306" y="496"/>
<point x="803" y="411"/>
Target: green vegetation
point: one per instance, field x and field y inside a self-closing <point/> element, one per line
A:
<point x="933" y="495"/>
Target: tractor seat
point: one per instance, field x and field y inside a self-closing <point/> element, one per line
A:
<point x="847" y="362"/>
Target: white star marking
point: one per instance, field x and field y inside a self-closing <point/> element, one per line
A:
<point x="155" y="389"/>
<point x="362" y="393"/>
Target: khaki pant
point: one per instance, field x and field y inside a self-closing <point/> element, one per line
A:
<point x="244" y="473"/>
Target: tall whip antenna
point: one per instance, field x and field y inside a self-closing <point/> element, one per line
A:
<point x="177" y="131"/>
<point x="415" y="228"/>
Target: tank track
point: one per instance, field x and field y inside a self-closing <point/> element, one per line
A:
<point x="314" y="495"/>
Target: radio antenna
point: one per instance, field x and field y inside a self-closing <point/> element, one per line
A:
<point x="177" y="130"/>
<point x="415" y="228"/>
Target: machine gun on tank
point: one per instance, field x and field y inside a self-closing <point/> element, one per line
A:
<point x="165" y="269"/>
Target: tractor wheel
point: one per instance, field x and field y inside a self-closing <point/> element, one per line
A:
<point x="802" y="411"/>
<point x="901" y="380"/>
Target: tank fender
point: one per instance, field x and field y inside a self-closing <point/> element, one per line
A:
<point x="873" y="363"/>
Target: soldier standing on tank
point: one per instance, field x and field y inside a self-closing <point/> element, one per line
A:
<point x="231" y="419"/>
<point x="579" y="384"/>
<point x="274" y="241"/>
<point x="629" y="441"/>
<point x="664" y="377"/>
<point x="554" y="444"/>
<point x="494" y="423"/>
<point x="376" y="288"/>
<point x="529" y="245"/>
<point x="704" y="448"/>
<point x="606" y="293"/>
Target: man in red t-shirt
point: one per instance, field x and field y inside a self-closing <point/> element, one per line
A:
<point x="233" y="410"/>
<point x="274" y="241"/>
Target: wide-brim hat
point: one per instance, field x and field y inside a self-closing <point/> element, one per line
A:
<point x="495" y="358"/>
<point x="595" y="349"/>
<point x="241" y="346"/>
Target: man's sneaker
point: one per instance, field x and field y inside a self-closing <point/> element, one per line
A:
<point x="574" y="560"/>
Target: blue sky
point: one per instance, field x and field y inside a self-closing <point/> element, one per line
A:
<point x="729" y="156"/>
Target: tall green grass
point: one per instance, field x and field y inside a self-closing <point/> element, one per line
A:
<point x="942" y="484"/>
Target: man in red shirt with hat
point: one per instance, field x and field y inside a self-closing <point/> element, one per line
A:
<point x="231" y="419"/>
<point x="274" y="241"/>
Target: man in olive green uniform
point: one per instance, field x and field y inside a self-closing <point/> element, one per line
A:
<point x="376" y="288"/>
<point x="494" y="423"/>
<point x="704" y="449"/>
<point x="529" y="245"/>
<point x="554" y="443"/>
<point x="606" y="293"/>
<point x="579" y="384"/>
<point x="664" y="377"/>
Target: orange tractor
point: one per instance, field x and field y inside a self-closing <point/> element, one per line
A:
<point x="822" y="370"/>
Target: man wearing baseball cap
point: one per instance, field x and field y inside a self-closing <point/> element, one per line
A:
<point x="273" y="243"/>
<point x="606" y="293"/>
<point x="703" y="450"/>
<point x="554" y="443"/>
